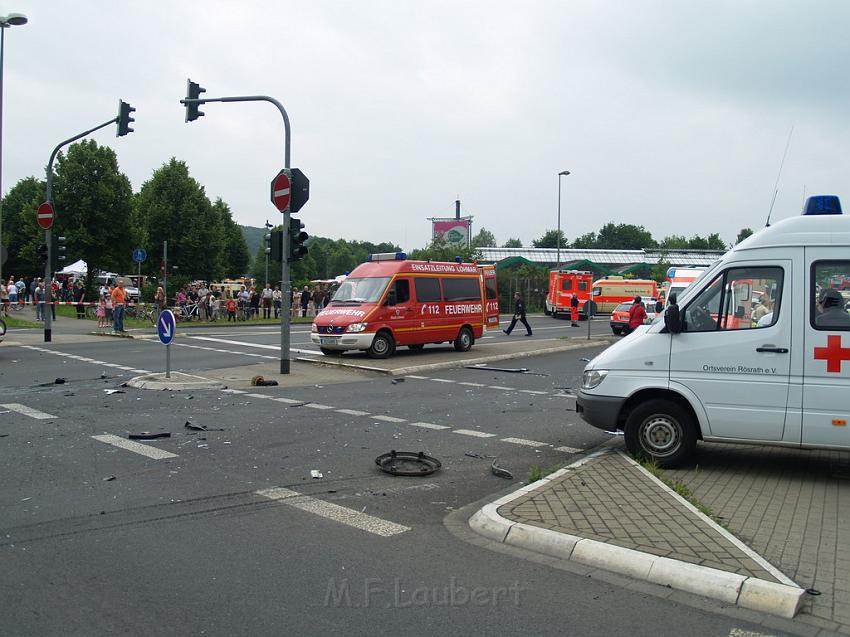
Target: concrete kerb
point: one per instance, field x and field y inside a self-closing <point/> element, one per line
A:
<point x="751" y="593"/>
<point x="428" y="367"/>
<point x="178" y="382"/>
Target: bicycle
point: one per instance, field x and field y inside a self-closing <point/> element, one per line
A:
<point x="144" y="313"/>
<point x="188" y="312"/>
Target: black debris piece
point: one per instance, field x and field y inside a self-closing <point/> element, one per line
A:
<point x="396" y="381"/>
<point x="407" y="463"/>
<point x="502" y="473"/>
<point x="190" y="425"/>
<point x="3" y="435"/>
<point x="59" y="381"/>
<point x="109" y="478"/>
<point x="512" y="370"/>
<point x="147" y="435"/>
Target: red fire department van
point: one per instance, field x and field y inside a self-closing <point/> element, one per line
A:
<point x="562" y="285"/>
<point x="390" y="301"/>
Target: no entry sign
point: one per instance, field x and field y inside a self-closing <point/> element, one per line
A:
<point x="44" y="216"/>
<point x="281" y="190"/>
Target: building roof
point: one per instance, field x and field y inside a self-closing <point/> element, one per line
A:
<point x="607" y="258"/>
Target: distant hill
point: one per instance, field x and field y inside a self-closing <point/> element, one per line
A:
<point x="253" y="237"/>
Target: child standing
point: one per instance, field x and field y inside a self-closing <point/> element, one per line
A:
<point x="231" y="310"/>
<point x="101" y="313"/>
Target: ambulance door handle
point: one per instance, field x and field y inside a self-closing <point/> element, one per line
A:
<point x="771" y="348"/>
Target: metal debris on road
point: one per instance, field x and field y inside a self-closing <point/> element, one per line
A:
<point x="502" y="473"/>
<point x="585" y="360"/>
<point x="259" y="381"/>
<point x="147" y="435"/>
<point x="396" y="381"/>
<point x="195" y="427"/>
<point x="59" y="381"/>
<point x="109" y="478"/>
<point x="315" y="473"/>
<point x="407" y="463"/>
<point x="512" y="370"/>
<point x="109" y="392"/>
<point x="472" y="454"/>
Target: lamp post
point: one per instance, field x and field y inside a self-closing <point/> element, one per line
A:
<point x="11" y="20"/>
<point x="563" y="173"/>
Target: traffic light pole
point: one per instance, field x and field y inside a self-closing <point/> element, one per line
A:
<point x="285" y="287"/>
<point x="48" y="238"/>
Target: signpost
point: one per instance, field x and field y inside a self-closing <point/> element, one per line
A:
<point x="44" y="216"/>
<point x="165" y="326"/>
<point x="281" y="190"/>
<point x="139" y="255"/>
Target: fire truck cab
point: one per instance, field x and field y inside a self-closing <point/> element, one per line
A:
<point x="390" y="301"/>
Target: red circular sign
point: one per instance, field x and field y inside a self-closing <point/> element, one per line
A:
<point x="44" y="216"/>
<point x="281" y="191"/>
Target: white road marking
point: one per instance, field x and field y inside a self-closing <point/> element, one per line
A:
<point x="318" y="406"/>
<point x="28" y="411"/>
<point x="473" y="384"/>
<point x="527" y="443"/>
<point x="569" y="449"/>
<point x="233" y="391"/>
<point x="534" y="391"/>
<point x="499" y="388"/>
<point x="353" y="412"/>
<point x="428" y="425"/>
<point x="135" y="447"/>
<point x="441" y="380"/>
<point x="417" y="377"/>
<point x="469" y="432"/>
<point x="389" y="418"/>
<point x="344" y="515"/>
<point x="227" y="341"/>
<point x="737" y="632"/>
<point x="289" y="401"/>
<point x="260" y="396"/>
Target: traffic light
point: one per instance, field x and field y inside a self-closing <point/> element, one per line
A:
<point x="268" y="239"/>
<point x="41" y="251"/>
<point x="124" y="119"/>
<point x="275" y="238"/>
<point x="193" y="92"/>
<point x="300" y="190"/>
<point x="58" y="245"/>
<point x="297" y="237"/>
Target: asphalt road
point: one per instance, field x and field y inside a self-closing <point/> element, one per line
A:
<point x="225" y="532"/>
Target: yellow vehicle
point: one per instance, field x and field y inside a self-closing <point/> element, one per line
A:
<point x="610" y="291"/>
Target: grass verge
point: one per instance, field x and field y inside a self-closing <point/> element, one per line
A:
<point x="681" y="489"/>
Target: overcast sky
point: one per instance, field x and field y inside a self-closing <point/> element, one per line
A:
<point x="669" y="114"/>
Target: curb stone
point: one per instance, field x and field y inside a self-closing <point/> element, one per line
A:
<point x="178" y="382"/>
<point x="746" y="592"/>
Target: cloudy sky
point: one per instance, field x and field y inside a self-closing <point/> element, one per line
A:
<point x="669" y="114"/>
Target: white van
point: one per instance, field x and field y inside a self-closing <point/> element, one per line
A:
<point x="722" y="375"/>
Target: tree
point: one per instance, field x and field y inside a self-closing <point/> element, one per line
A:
<point x="439" y="250"/>
<point x="673" y="242"/>
<point x="624" y="236"/>
<point x="714" y="242"/>
<point x="743" y="234"/>
<point x="21" y="234"/>
<point x="587" y="241"/>
<point x="236" y="258"/>
<point x="659" y="270"/>
<point x="173" y="207"/>
<point x="512" y="243"/>
<point x="550" y="240"/>
<point x="93" y="202"/>
<point x="484" y="239"/>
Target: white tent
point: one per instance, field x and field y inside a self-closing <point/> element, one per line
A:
<point x="78" y="267"/>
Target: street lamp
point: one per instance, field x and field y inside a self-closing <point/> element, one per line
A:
<point x="11" y="20"/>
<point x="563" y="173"/>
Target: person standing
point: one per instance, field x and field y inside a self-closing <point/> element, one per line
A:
<point x="119" y="298"/>
<point x="574" y="311"/>
<point x="637" y="315"/>
<point x="159" y="301"/>
<point x="519" y="315"/>
<point x="305" y="300"/>
<point x="267" y="301"/>
<point x="277" y="300"/>
<point x="79" y="296"/>
<point x="38" y="299"/>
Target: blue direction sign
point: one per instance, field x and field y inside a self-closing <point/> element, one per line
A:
<point x="165" y="327"/>
<point x="139" y="255"/>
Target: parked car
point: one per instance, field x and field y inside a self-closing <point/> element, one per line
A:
<point x="620" y="315"/>
<point x="110" y="279"/>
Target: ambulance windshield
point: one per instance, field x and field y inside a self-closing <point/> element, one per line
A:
<point x="366" y="290"/>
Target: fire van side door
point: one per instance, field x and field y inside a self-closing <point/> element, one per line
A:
<point x="491" y="297"/>
<point x="826" y="353"/>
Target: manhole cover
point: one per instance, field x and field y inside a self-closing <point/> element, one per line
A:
<point x="407" y="463"/>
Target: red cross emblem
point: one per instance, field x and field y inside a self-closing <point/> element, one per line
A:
<point x="833" y="353"/>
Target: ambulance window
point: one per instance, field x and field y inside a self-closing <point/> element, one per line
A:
<point x="402" y="291"/>
<point x="427" y="289"/>
<point x="567" y="285"/>
<point x="830" y="300"/>
<point x="461" y="289"/>
<point x="582" y="286"/>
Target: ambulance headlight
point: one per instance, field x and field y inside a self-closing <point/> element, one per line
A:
<point x="592" y="378"/>
<point x="315" y="328"/>
<point x="356" y="327"/>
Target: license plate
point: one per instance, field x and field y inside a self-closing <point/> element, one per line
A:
<point x="329" y="340"/>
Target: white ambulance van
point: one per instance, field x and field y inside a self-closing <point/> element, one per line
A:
<point x="718" y="375"/>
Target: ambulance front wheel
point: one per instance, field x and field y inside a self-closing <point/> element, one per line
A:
<point x="660" y="431"/>
<point x="464" y="340"/>
<point x="383" y="346"/>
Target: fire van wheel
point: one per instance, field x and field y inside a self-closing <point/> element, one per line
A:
<point x="383" y="346"/>
<point x="464" y="340"/>
<point x="662" y="432"/>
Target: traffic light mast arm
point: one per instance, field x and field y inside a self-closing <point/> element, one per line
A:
<point x="252" y="98"/>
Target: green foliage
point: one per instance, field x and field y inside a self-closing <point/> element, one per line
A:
<point x="484" y="239"/>
<point x="659" y="271"/>
<point x="236" y="258"/>
<point x="21" y="234"/>
<point x="512" y="243"/>
<point x="586" y="241"/>
<point x="93" y="202"/>
<point x="173" y="207"/>
<point x="439" y="250"/>
<point x="743" y="234"/>
<point x="550" y="240"/>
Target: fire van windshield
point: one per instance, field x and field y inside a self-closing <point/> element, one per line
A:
<point x="365" y="290"/>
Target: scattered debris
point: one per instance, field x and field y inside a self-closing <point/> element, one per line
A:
<point x="104" y="375"/>
<point x="813" y="591"/>
<point x="195" y="427"/>
<point x="502" y="473"/>
<point x="146" y="435"/>
<point x="584" y="360"/>
<point x="259" y="381"/>
<point x="109" y="392"/>
<point x="472" y="454"/>
<point x="396" y="381"/>
<point x="407" y="463"/>
<point x="315" y="473"/>
<point x="109" y="478"/>
<point x="25" y="499"/>
<point x="614" y="433"/>
<point x="59" y="381"/>
<point x="3" y="435"/>
<point x="512" y="370"/>
<point x="306" y="402"/>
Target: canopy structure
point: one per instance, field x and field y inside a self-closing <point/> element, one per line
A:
<point x="78" y="267"/>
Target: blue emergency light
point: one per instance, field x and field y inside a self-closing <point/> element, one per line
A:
<point x="822" y="205"/>
<point x="387" y="256"/>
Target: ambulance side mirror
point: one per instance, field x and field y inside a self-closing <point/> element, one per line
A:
<point x="672" y="319"/>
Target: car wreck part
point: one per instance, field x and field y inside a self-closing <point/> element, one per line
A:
<point x="407" y="463"/>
